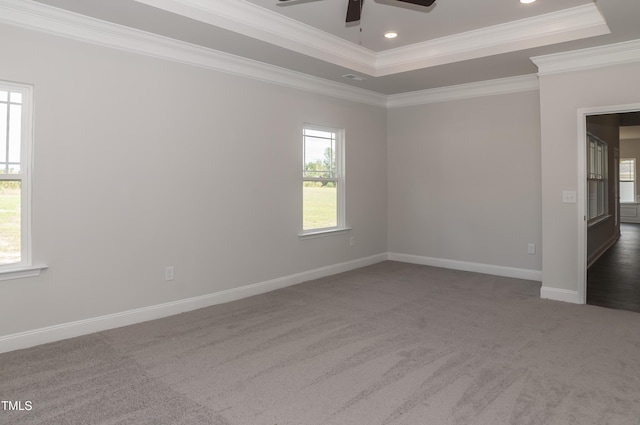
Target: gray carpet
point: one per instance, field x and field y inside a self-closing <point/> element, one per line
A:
<point x="388" y="344"/>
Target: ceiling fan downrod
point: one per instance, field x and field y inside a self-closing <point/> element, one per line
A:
<point x="354" y="7"/>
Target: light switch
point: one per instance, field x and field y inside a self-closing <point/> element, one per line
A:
<point x="569" y="196"/>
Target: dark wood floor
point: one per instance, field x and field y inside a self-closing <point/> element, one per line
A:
<point x="614" y="280"/>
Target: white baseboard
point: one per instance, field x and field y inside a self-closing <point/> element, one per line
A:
<point x="557" y="294"/>
<point x="468" y="266"/>
<point x="604" y="248"/>
<point x="96" y="324"/>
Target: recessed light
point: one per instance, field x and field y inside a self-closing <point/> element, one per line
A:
<point x="391" y="34"/>
<point x="527" y="1"/>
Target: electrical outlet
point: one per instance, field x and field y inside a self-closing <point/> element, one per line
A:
<point x="352" y="241"/>
<point x="531" y="248"/>
<point x="168" y="273"/>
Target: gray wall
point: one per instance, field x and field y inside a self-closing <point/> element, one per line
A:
<point x="143" y="163"/>
<point x="464" y="180"/>
<point x="561" y="97"/>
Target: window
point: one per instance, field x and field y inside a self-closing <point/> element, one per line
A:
<point x="15" y="148"/>
<point x="322" y="179"/>
<point x="597" y="177"/>
<point x="628" y="180"/>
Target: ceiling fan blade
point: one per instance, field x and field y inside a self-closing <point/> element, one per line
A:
<point x="419" y="2"/>
<point x="354" y="8"/>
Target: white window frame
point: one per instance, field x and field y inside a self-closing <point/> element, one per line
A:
<point x="24" y="267"/>
<point x="597" y="176"/>
<point x="338" y="179"/>
<point x="633" y="179"/>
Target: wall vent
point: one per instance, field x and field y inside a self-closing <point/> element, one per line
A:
<point x="354" y="77"/>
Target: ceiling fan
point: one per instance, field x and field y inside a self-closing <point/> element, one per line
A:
<point x="354" y="7"/>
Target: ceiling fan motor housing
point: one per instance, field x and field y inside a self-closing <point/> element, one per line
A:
<point x="354" y="7"/>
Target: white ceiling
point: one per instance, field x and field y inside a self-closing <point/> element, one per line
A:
<point x="413" y="23"/>
<point x="452" y="42"/>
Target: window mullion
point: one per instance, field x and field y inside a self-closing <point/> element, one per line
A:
<point x="319" y="179"/>
<point x="12" y="177"/>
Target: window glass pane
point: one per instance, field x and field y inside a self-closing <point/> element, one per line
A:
<point x="10" y="248"/>
<point x="592" y="159"/>
<point x="599" y="159"/>
<point x="15" y="132"/>
<point x="627" y="169"/>
<point x="319" y="157"/>
<point x="4" y="96"/>
<point x="3" y="133"/>
<point x="320" y="205"/>
<point x="15" y="97"/>
<point x="627" y="192"/>
<point x="318" y="133"/>
<point x="593" y="199"/>
<point x="601" y="197"/>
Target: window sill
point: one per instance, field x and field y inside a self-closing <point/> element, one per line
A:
<point x="21" y="272"/>
<point x="323" y="232"/>
<point x="596" y="221"/>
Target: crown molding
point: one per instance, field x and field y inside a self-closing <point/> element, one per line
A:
<point x="551" y="28"/>
<point x="465" y="91"/>
<point x="263" y="24"/>
<point x="58" y="22"/>
<point x="594" y="57"/>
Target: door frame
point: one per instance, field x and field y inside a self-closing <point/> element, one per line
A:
<point x="583" y="197"/>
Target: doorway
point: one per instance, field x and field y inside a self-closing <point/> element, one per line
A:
<point x="611" y="230"/>
<point x="613" y="281"/>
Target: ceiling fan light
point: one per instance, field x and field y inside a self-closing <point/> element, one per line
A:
<point x="390" y="34"/>
<point x="527" y="1"/>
